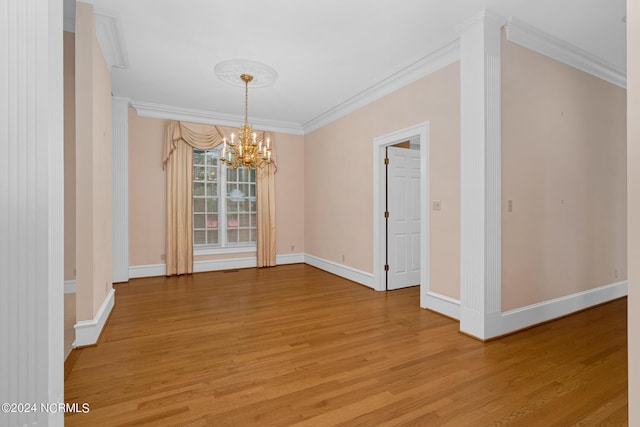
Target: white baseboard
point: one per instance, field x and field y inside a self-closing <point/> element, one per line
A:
<point x="349" y="273"/>
<point x="442" y="304"/>
<point x="88" y="331"/>
<point x="69" y="286"/>
<point x="290" y="259"/>
<point x="150" y="270"/>
<point x="524" y="317"/>
<point x="223" y="264"/>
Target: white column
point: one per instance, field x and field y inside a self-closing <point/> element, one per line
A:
<point x="480" y="180"/>
<point x="120" y="189"/>
<point x="633" y="206"/>
<point x="31" y="209"/>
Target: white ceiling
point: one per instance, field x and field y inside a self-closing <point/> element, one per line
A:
<point x="325" y="52"/>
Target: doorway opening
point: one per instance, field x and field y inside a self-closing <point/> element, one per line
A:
<point x="418" y="136"/>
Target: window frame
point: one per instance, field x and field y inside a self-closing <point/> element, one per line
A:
<point x="223" y="246"/>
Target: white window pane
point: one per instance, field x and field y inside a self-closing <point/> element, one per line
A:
<point x="199" y="237"/>
<point x="212" y="174"/>
<point x="198" y="221"/>
<point x="198" y="204"/>
<point x="212" y="221"/>
<point x="198" y="189"/>
<point x="212" y="157"/>
<point x="232" y="220"/>
<point x="212" y="189"/>
<point x="244" y="220"/>
<point x="198" y="157"/>
<point x="244" y="235"/>
<point x="212" y="205"/>
<point x="212" y="237"/>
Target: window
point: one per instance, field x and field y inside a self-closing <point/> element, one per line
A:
<point x="224" y="204"/>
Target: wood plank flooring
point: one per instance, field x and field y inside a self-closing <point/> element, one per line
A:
<point x="293" y="345"/>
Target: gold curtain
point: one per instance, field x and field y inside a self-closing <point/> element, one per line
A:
<point x="266" y="211"/>
<point x="180" y="139"/>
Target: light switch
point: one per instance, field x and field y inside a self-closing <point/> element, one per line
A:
<point x="436" y="205"/>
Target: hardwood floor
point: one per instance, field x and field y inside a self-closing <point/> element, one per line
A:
<point x="293" y="345"/>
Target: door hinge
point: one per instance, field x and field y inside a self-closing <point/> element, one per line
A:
<point x="386" y="267"/>
<point x="386" y="214"/>
<point x="386" y="160"/>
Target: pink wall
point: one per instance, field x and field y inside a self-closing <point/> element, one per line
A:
<point x="147" y="197"/>
<point x="147" y="200"/>
<point x="69" y="156"/>
<point x="633" y="162"/>
<point x="93" y="169"/>
<point x="563" y="166"/>
<point x="339" y="173"/>
<point x="290" y="194"/>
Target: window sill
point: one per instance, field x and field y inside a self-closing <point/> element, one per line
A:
<point x="211" y="250"/>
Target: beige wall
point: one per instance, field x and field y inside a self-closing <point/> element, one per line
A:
<point x="563" y="166"/>
<point x="633" y="161"/>
<point x="93" y="169"/>
<point x="339" y="173"/>
<point x="69" y="156"/>
<point x="147" y="198"/>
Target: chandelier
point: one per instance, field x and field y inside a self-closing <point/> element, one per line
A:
<point x="244" y="150"/>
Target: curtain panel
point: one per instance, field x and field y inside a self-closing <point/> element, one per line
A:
<point x="180" y="140"/>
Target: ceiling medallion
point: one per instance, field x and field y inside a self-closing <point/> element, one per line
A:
<point x="231" y="71"/>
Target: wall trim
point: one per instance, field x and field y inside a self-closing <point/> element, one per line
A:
<point x="88" y="331"/>
<point x="532" y="38"/>
<point x="154" y="270"/>
<point x="170" y="112"/>
<point x="440" y="58"/>
<point x="120" y="186"/>
<point x="148" y="270"/>
<point x="290" y="259"/>
<point x="224" y="264"/>
<point x="111" y="38"/>
<point x="441" y="304"/>
<point x="69" y="286"/>
<point x="341" y="270"/>
<point x="524" y="317"/>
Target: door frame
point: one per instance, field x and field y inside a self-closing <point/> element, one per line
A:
<point x="419" y="132"/>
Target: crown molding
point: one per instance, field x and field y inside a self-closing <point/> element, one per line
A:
<point x="111" y="38"/>
<point x="424" y="66"/>
<point x="532" y="38"/>
<point x="482" y="15"/>
<point x="161" y="111"/>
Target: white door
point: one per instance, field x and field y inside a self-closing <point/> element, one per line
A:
<point x="403" y="241"/>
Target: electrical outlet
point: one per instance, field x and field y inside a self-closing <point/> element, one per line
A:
<point x="292" y="248"/>
<point x="163" y="257"/>
<point x="615" y="273"/>
<point x="342" y="257"/>
<point x="436" y="205"/>
<point x="510" y="206"/>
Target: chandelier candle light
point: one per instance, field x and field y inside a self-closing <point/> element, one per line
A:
<point x="244" y="150"/>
